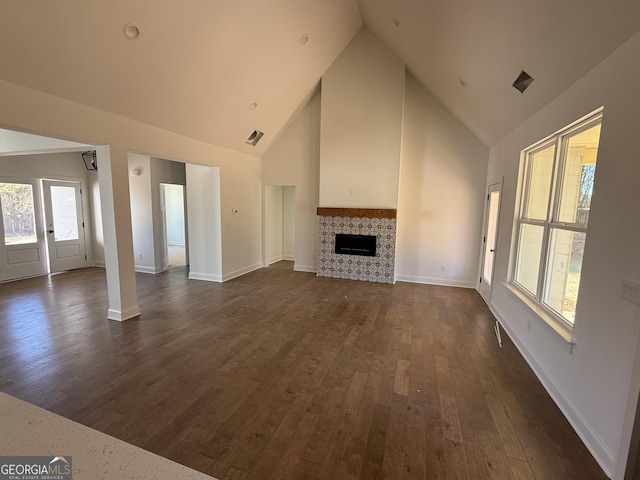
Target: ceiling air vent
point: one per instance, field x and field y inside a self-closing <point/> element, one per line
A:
<point x="254" y="137"/>
<point x="523" y="81"/>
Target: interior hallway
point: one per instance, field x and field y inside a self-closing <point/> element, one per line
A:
<point x="282" y="374"/>
<point x="177" y="256"/>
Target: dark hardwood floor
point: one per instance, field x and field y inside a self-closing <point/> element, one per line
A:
<point x="284" y="375"/>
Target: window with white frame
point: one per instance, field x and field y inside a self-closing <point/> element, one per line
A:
<point x="557" y="185"/>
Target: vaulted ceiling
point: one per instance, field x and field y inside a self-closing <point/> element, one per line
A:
<point x="198" y="66"/>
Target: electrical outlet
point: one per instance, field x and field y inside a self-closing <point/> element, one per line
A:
<point x="140" y="255"/>
<point x="443" y="267"/>
<point x="630" y="291"/>
<point x="246" y="257"/>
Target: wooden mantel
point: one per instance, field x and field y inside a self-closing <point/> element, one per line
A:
<point x="357" y="212"/>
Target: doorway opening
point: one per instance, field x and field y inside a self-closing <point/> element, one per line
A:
<point x="174" y="243"/>
<point x="279" y="224"/>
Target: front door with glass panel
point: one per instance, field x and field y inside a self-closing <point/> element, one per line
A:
<point x="490" y="241"/>
<point x="64" y="225"/>
<point x="22" y="251"/>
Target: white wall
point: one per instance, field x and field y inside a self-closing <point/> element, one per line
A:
<point x="272" y="224"/>
<point x="241" y="191"/>
<point x="361" y="126"/>
<point x="24" y="109"/>
<point x="288" y="223"/>
<point x="204" y="217"/>
<point x="142" y="219"/>
<point x="293" y="160"/>
<point x="441" y="189"/>
<point x="46" y="165"/>
<point x="280" y="225"/>
<point x="597" y="385"/>
<point x="441" y="194"/>
<point x="96" y="218"/>
<point x="62" y="166"/>
<point x="12" y="142"/>
<point x="175" y="215"/>
<point x="168" y="171"/>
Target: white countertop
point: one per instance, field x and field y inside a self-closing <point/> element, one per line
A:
<point x="30" y="430"/>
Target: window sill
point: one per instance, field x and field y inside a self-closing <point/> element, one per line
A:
<point x="556" y="325"/>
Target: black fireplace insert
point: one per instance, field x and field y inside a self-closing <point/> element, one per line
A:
<point x="347" y="244"/>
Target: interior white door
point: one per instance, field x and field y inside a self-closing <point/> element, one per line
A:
<point x="490" y="240"/>
<point x="64" y="225"/>
<point x="22" y="249"/>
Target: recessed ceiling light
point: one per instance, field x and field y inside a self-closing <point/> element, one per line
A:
<point x="253" y="106"/>
<point x="304" y="39"/>
<point x="396" y="22"/>
<point x="131" y="31"/>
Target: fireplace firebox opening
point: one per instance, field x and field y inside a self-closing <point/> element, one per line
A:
<point x="348" y="244"/>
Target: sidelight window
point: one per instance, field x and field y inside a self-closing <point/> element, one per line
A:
<point x="18" y="213"/>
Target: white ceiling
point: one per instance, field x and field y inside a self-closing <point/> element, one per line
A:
<point x="194" y="70"/>
<point x="488" y="42"/>
<point x="18" y="143"/>
<point x="198" y="65"/>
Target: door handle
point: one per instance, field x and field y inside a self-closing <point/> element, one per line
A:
<point x="49" y="231"/>
<point x="491" y="250"/>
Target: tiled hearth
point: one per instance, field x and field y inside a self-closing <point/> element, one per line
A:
<point x="378" y="222"/>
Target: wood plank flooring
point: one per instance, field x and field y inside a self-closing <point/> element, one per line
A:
<point x="285" y="375"/>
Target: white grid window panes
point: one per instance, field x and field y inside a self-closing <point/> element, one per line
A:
<point x="557" y="185"/>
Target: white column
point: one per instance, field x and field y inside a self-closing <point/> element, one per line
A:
<point x="113" y="177"/>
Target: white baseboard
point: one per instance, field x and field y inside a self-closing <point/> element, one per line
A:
<point x="122" y="315"/>
<point x="240" y="272"/>
<point x="305" y="268"/>
<point x="592" y="440"/>
<point x="207" y="277"/>
<point x="436" y="281"/>
<point x="273" y="260"/>
<point x="142" y="269"/>
<point x="99" y="263"/>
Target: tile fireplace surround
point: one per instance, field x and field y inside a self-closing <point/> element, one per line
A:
<point x="357" y="221"/>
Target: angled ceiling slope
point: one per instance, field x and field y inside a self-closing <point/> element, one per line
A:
<point x="196" y="68"/>
<point x="469" y="53"/>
